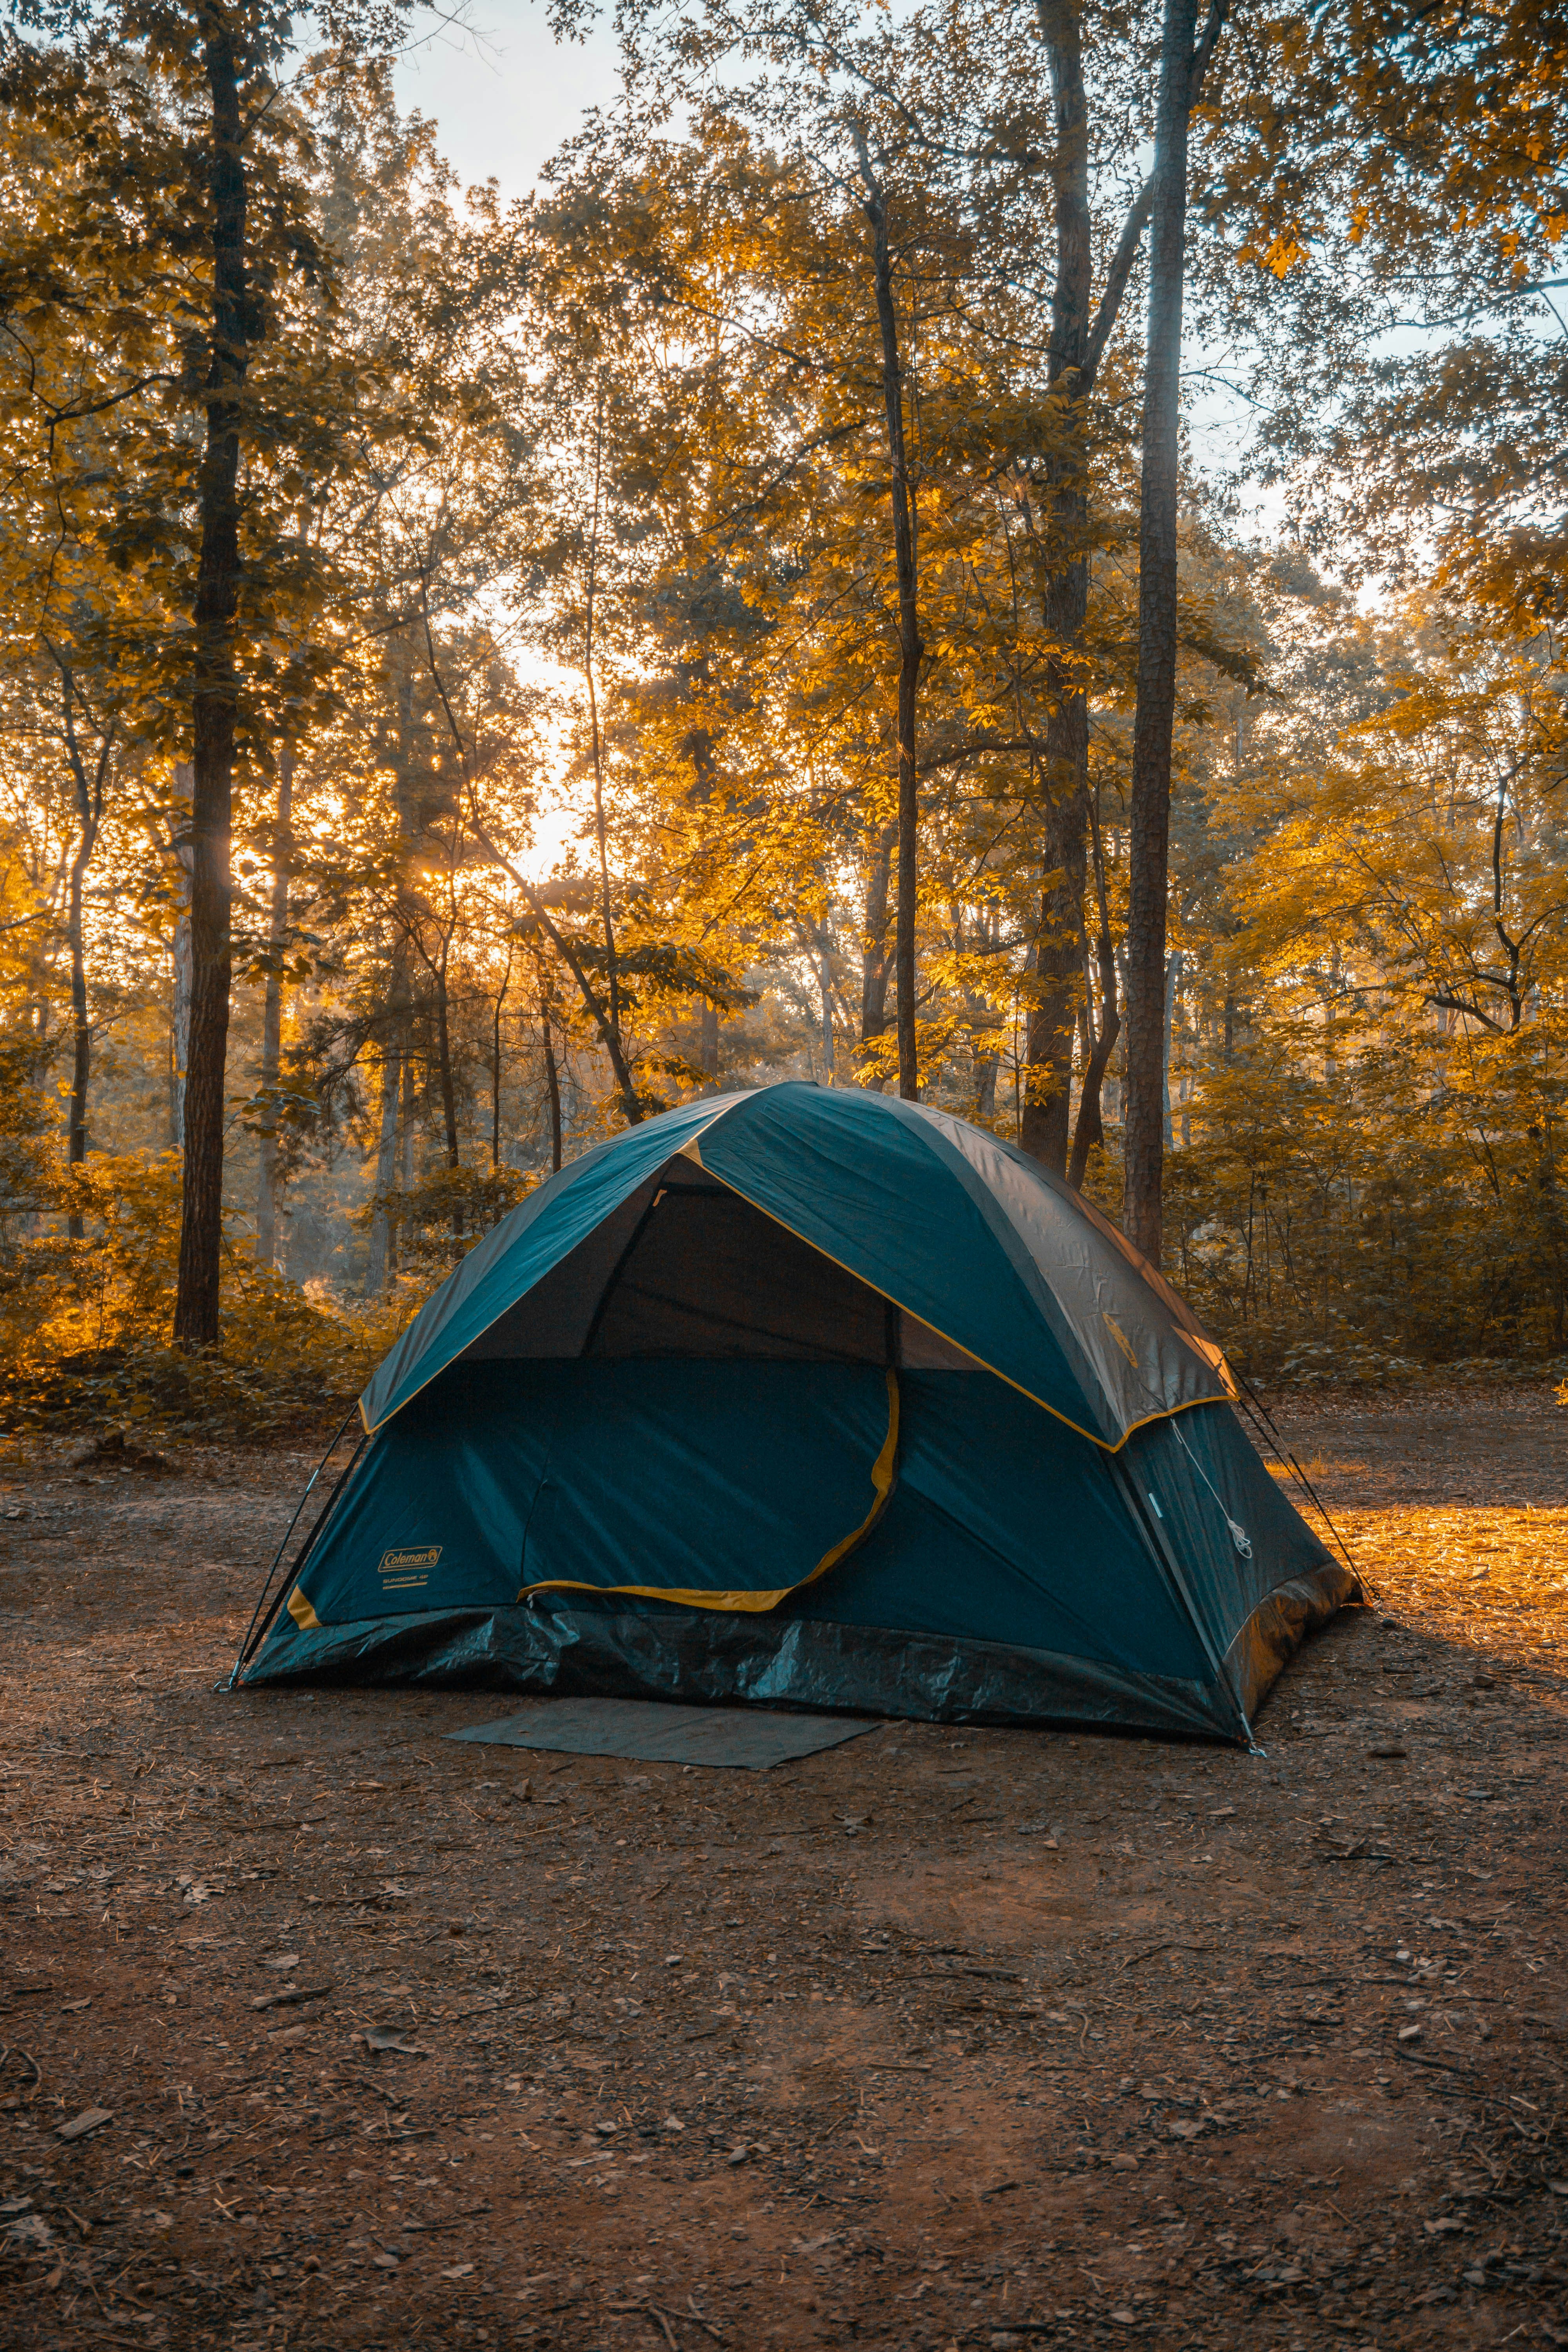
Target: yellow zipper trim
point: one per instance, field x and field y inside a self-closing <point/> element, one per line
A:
<point x="882" y="1483"/>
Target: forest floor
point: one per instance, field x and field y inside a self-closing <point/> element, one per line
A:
<point x="939" y="2038"/>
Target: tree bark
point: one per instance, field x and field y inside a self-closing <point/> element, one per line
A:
<point x="444" y="1074"/>
<point x="911" y="648"/>
<point x="873" y="955"/>
<point x="601" y="833"/>
<point x="87" y="794"/>
<point x="272" y="1015"/>
<point x="1173" y="985"/>
<point x="383" y="1260"/>
<point x="1150" y="816"/>
<point x="1058" y="954"/>
<point x="553" y="1087"/>
<point x="1090" y="1128"/>
<point x="180" y="957"/>
<point x="214" y="705"/>
<point x="494" y="1065"/>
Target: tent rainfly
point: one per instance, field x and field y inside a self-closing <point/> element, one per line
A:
<point x="816" y="1398"/>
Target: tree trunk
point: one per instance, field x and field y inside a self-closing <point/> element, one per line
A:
<point x="1167" y="1040"/>
<point x="1059" y="943"/>
<point x="82" y="1039"/>
<point x="87" y="793"/>
<point x="272" y="1015"/>
<point x="1090" y="1128"/>
<point x="407" y="1108"/>
<point x="601" y="833"/>
<point x="873" y="955"/>
<point x="1060" y="946"/>
<point x="1149" y="828"/>
<point x="552" y="1087"/>
<point x="214" y="700"/>
<point x="180" y="957"/>
<point x="911" y="648"/>
<point x="445" y="1078"/>
<point x="381" y="1263"/>
<point x="495" y="1066"/>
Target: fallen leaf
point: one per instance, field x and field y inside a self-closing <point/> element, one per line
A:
<point x="1410" y="2033"/>
<point x="289" y="1996"/>
<point x="282" y="1960"/>
<point x="459" y="2269"/>
<point x="387" y="2037"/>
<point x="1445" y="2225"/>
<point x="90" y="2120"/>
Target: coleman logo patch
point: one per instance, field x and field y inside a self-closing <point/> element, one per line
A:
<point x="1119" y="1336"/>
<point x="402" y="1570"/>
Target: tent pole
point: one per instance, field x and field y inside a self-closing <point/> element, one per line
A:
<point x="257" y="1626"/>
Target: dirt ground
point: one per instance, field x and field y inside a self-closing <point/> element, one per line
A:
<point x="940" y="2038"/>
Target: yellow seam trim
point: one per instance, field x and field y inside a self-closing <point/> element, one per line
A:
<point x="756" y="1602"/>
<point x="303" y="1614"/>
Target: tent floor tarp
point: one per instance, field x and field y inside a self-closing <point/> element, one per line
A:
<point x="647" y="1731"/>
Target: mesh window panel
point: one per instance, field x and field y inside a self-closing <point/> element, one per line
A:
<point x="710" y="1275"/>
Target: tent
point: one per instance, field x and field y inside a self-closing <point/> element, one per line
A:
<point x="811" y="1397"/>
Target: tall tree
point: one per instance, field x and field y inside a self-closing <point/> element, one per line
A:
<point x="1182" y="69"/>
<point x="911" y="648"/>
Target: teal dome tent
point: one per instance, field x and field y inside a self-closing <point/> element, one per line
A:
<point x="816" y="1398"/>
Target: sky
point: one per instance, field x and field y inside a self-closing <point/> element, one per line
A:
<point x="503" y="92"/>
<point x="504" y="96"/>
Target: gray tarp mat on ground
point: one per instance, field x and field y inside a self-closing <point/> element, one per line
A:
<point x="651" y="1733"/>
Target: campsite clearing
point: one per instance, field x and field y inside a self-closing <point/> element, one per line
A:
<point x="319" y="2029"/>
